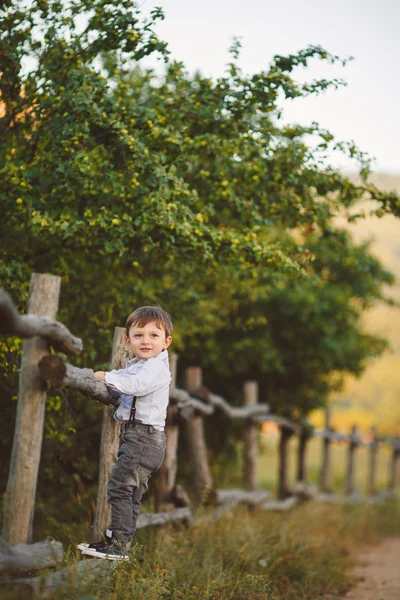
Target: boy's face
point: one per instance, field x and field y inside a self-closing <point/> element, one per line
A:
<point x="147" y="341"/>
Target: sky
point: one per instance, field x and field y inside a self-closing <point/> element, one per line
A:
<point x="366" y="111"/>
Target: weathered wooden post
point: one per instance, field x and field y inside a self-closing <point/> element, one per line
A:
<point x="164" y="480"/>
<point x="250" y="392"/>
<point x="25" y="458"/>
<point x="304" y="437"/>
<point x="354" y="442"/>
<point x="109" y="440"/>
<point x="394" y="463"/>
<point x="373" y="451"/>
<point x="283" y="485"/>
<point x="326" y="463"/>
<point x="196" y="445"/>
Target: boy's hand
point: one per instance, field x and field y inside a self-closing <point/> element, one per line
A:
<point x="100" y="375"/>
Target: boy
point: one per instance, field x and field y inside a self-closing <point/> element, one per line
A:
<point x="144" y="389"/>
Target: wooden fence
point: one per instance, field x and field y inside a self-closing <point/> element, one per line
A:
<point x="186" y="413"/>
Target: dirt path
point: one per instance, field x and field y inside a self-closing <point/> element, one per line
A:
<point x="378" y="572"/>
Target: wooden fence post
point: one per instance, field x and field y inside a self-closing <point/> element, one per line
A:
<point x="164" y="479"/>
<point x="283" y="486"/>
<point x="326" y="463"/>
<point x="353" y="443"/>
<point x="25" y="458"/>
<point x="373" y="451"/>
<point x="109" y="440"/>
<point x="394" y="463"/>
<point x="301" y="452"/>
<point x="195" y="441"/>
<point x="250" y="392"/>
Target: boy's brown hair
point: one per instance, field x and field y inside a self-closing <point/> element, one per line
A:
<point x="145" y="314"/>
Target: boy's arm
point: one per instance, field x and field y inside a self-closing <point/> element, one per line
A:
<point x="100" y="375"/>
<point x="151" y="376"/>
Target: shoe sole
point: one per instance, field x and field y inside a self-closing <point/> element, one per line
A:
<point x="92" y="552"/>
<point x="82" y="546"/>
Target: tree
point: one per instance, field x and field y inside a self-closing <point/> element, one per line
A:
<point x="184" y="191"/>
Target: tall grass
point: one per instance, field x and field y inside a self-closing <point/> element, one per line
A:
<point x="303" y="555"/>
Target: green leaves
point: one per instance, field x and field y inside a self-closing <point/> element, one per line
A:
<point x="180" y="190"/>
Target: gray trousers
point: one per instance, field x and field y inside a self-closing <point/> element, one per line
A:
<point x="141" y="452"/>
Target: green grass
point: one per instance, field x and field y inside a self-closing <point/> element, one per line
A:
<point x="305" y="554"/>
<point x="301" y="555"/>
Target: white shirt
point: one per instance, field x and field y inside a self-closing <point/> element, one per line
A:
<point x="147" y="379"/>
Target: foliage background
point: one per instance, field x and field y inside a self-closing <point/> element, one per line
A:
<point x="184" y="191"/>
<point x="373" y="398"/>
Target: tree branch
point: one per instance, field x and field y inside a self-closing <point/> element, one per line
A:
<point x="233" y="412"/>
<point x="60" y="374"/>
<point x="28" y="326"/>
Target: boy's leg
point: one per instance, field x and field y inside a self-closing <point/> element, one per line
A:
<point x="141" y="453"/>
<point x="124" y="482"/>
<point x="150" y="462"/>
<point x="136" y="502"/>
<point x="120" y="476"/>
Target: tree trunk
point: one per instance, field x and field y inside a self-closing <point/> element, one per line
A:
<point x="27" y="445"/>
<point x="250" y="391"/>
<point x="109" y="440"/>
<point x="194" y="433"/>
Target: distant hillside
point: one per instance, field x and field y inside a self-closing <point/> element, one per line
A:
<point x="375" y="397"/>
